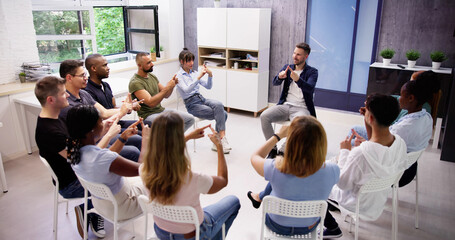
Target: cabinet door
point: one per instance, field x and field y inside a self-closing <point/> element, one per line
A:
<point x="218" y="91"/>
<point x="242" y="90"/>
<point x="211" y="27"/>
<point x="243" y="28"/>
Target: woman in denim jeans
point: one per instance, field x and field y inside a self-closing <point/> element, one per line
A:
<point x="195" y="103"/>
<point x="301" y="175"/>
<point x="166" y="173"/>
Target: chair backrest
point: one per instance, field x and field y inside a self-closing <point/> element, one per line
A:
<point x="50" y="169"/>
<point x="98" y="190"/>
<point x="179" y="214"/>
<point x="413" y="157"/>
<point x="296" y="209"/>
<point x="380" y="184"/>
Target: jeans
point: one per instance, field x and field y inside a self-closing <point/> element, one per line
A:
<point x="266" y="192"/>
<point x="224" y="211"/>
<point x="207" y="109"/>
<point x="279" y="113"/>
<point x="75" y="190"/>
<point x="188" y="120"/>
<point x="132" y="147"/>
<point x="288" y="231"/>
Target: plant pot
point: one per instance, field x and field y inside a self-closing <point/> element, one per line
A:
<point x="153" y="56"/>
<point x="22" y="79"/>
<point x="386" y="61"/>
<point x="411" y="64"/>
<point x="216" y="4"/>
<point x="435" y="65"/>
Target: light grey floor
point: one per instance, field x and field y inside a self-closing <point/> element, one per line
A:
<point x="26" y="210"/>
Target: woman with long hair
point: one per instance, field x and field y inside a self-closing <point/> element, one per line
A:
<point x="166" y="173"/>
<point x="101" y="165"/>
<point x="300" y="175"/>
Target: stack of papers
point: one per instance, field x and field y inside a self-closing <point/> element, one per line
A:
<point x="213" y="63"/>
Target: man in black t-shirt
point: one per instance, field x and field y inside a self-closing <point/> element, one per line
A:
<point x="50" y="136"/>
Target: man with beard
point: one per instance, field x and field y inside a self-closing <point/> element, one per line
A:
<point x="101" y="91"/>
<point x="144" y="85"/>
<point x="297" y="95"/>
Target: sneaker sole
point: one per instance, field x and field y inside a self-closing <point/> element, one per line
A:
<point x="332" y="236"/>
<point x="80" y="220"/>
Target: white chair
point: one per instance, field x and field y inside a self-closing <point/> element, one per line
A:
<point x="57" y="199"/>
<point x="102" y="191"/>
<point x="179" y="214"/>
<point x="375" y="185"/>
<point x="412" y="158"/>
<point x="296" y="209"/>
<point x="2" y="172"/>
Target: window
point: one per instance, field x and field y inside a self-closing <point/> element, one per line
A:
<point x="68" y="29"/>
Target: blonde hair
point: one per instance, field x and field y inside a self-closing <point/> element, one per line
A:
<point x="166" y="164"/>
<point x="306" y="147"/>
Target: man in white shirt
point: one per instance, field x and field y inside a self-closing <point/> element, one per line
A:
<point x="297" y="95"/>
<point x="379" y="157"/>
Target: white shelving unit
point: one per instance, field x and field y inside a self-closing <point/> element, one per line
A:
<point x="229" y="35"/>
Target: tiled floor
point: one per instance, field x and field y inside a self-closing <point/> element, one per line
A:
<point x="26" y="210"/>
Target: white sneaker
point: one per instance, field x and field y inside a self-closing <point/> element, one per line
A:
<point x="225" y="143"/>
<point x="225" y="150"/>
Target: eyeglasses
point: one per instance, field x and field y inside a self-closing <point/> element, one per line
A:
<point x="83" y="75"/>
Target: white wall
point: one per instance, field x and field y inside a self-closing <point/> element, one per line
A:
<point x="17" y="38"/>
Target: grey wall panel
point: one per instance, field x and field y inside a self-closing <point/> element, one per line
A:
<point x="418" y="24"/>
<point x="288" y="29"/>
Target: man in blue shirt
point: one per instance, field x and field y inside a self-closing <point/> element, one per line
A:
<point x="101" y="91"/>
<point x="297" y="95"/>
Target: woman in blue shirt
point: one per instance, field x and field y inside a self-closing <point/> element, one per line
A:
<point x="195" y="103"/>
<point x="301" y="175"/>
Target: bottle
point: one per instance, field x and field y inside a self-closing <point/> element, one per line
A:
<point x="236" y="65"/>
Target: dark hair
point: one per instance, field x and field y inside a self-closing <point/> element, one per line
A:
<point x="80" y="120"/>
<point x="304" y="46"/>
<point x="90" y="60"/>
<point x="423" y="87"/>
<point x="140" y="55"/>
<point x="186" y="55"/>
<point x="69" y="67"/>
<point x="384" y="108"/>
<point x="47" y="86"/>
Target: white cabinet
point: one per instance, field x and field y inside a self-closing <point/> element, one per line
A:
<point x="247" y="91"/>
<point x="211" y="27"/>
<point x="218" y="91"/>
<point x="235" y="45"/>
<point x="247" y="28"/>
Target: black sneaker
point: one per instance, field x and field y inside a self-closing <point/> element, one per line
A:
<point x="332" y="233"/>
<point x="79" y="210"/>
<point x="97" y="225"/>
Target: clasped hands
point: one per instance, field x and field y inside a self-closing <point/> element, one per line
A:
<point x="294" y="75"/>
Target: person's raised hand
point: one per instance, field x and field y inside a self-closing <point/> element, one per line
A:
<point x="137" y="104"/>
<point x="146" y="134"/>
<point x="346" y="144"/>
<point x="283" y="73"/>
<point x="127" y="106"/>
<point x="215" y="137"/>
<point x="294" y="75"/>
<point x="283" y="131"/>
<point x="113" y="128"/>
<point x="131" y="130"/>
<point x="358" y="139"/>
<point x="362" y="110"/>
<point x="197" y="133"/>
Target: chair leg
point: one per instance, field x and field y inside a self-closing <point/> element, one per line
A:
<point x="85" y="213"/>
<point x="356" y="234"/>
<point x="55" y="212"/>
<point x="2" y="176"/>
<point x="146" y="226"/>
<point x="194" y="140"/>
<point x="417" y="202"/>
<point x="394" y="212"/>
<point x="223" y="231"/>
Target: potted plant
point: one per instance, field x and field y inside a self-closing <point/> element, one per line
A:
<point x="22" y="76"/>
<point x="216" y="3"/>
<point x="161" y="52"/>
<point x="437" y="57"/>
<point x="412" y="56"/>
<point x="387" y="55"/>
<point x="153" y="54"/>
